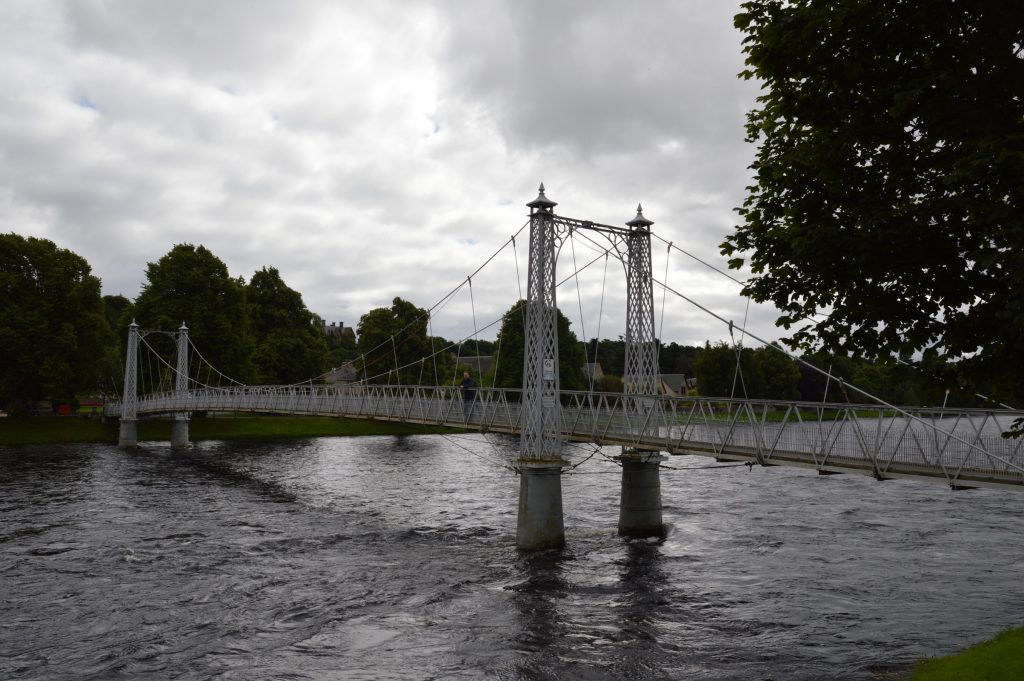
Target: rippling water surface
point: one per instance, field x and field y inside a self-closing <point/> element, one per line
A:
<point x="394" y="558"/>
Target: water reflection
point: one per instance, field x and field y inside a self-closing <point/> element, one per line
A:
<point x="643" y="581"/>
<point x="397" y="560"/>
<point x="542" y="625"/>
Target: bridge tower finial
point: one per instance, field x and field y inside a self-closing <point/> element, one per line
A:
<point x="640" y="222"/>
<point x="542" y="203"/>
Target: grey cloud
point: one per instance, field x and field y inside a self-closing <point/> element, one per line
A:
<point x="370" y="150"/>
<point x="599" y="77"/>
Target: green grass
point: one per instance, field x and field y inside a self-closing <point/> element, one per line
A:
<point x="999" y="659"/>
<point x="38" y="430"/>
<point x="50" y="430"/>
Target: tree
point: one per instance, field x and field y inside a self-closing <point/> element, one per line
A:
<point x="190" y="284"/>
<point x="887" y="211"/>
<point x="610" y="354"/>
<point x="677" y="359"/>
<point x="393" y="345"/>
<point x="765" y="373"/>
<point x="114" y="308"/>
<point x="778" y="375"/>
<point x="341" y="348"/>
<point x="508" y="370"/>
<point x="52" y="324"/>
<point x="290" y="346"/>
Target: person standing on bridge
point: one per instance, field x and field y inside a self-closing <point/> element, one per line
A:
<point x="468" y="395"/>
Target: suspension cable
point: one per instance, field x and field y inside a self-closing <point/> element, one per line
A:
<point x="476" y="340"/>
<point x="661" y="323"/>
<point x="702" y="262"/>
<point x="861" y="391"/>
<point x="600" y="316"/>
<point x="579" y="303"/>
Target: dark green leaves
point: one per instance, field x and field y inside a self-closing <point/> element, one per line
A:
<point x="888" y="206"/>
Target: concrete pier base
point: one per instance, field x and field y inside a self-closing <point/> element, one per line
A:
<point x="179" y="433"/>
<point x="128" y="434"/>
<point x="640" y="503"/>
<point x="540" y="506"/>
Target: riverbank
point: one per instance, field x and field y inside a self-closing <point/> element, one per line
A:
<point x="41" y="430"/>
<point x="998" y="659"/>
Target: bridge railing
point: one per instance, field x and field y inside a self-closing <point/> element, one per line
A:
<point x="964" y="447"/>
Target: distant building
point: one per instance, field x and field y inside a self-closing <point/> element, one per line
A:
<point x="593" y="371"/>
<point x="338" y="329"/>
<point x="346" y="373"/>
<point x="675" y="384"/>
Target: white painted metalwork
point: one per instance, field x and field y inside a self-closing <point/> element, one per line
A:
<point x="129" y="409"/>
<point x="963" y="448"/>
<point x="541" y="438"/>
<point x="640" y="379"/>
<point x="181" y="372"/>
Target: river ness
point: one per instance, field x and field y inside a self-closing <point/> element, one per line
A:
<point x="395" y="558"/>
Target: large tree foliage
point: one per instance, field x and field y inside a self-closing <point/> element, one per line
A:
<point x="510" y="349"/>
<point x="393" y="345"/>
<point x="764" y="373"/>
<point x="190" y="284"/>
<point x="887" y="210"/>
<point x="52" y="324"/>
<point x="288" y="346"/>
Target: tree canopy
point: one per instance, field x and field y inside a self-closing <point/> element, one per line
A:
<point x="887" y="210"/>
<point x="393" y="344"/>
<point x="190" y="284"/>
<point x="52" y="324"/>
<point x="511" y="343"/>
<point x="764" y="373"/>
<point x="288" y="346"/>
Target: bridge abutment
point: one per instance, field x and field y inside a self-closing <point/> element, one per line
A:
<point x="179" y="433"/>
<point x="128" y="434"/>
<point x="540" y="523"/>
<point x="640" y="513"/>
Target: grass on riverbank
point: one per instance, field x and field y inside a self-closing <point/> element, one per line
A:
<point x="37" y="430"/>
<point x="998" y="659"/>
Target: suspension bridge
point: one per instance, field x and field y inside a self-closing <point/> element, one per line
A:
<point x="962" y="448"/>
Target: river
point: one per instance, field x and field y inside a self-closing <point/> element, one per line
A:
<point x="394" y="558"/>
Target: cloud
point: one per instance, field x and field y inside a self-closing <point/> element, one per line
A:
<point x="373" y="150"/>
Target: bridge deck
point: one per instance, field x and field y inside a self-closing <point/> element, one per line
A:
<point x="960" y="448"/>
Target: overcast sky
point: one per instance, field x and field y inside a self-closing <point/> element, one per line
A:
<point x="378" y="149"/>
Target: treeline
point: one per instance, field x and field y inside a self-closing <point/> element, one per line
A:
<point x="62" y="339"/>
<point x="768" y="373"/>
<point x="395" y="347"/>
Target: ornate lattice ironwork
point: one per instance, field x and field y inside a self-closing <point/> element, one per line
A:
<point x="181" y="378"/>
<point x="541" y="438"/>
<point x="640" y="378"/>
<point x="130" y="397"/>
